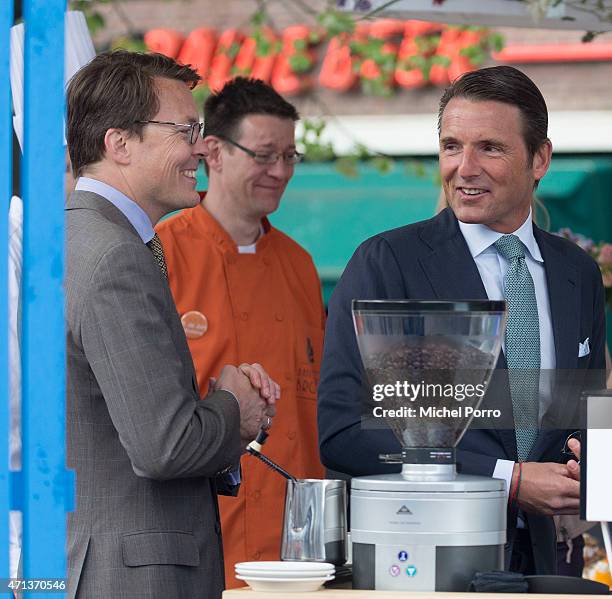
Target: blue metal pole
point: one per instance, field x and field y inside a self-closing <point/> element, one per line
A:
<point x="45" y="481"/>
<point x="6" y="169"/>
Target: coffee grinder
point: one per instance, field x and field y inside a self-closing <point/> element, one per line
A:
<point x="427" y="528"/>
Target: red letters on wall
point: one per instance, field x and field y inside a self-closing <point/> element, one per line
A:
<point x="219" y="57"/>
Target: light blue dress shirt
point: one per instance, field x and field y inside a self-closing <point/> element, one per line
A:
<point x="492" y="268"/>
<point x="131" y="210"/>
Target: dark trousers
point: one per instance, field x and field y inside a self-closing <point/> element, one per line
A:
<point x="570" y="560"/>
<point x="522" y="560"/>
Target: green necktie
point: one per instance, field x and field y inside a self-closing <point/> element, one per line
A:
<point x="522" y="343"/>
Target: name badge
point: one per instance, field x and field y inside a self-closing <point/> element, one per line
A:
<point x="195" y="324"/>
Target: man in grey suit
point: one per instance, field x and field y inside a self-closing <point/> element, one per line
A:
<point x="149" y="456"/>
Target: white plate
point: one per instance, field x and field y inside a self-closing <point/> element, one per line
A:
<point x="277" y="585"/>
<point x="288" y="575"/>
<point x="301" y="567"/>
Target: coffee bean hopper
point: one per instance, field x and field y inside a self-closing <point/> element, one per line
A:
<point x="426" y="528"/>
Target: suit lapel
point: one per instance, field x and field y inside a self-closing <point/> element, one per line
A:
<point x="562" y="281"/>
<point x="450" y="268"/>
<point x="89" y="200"/>
<point x="564" y="295"/>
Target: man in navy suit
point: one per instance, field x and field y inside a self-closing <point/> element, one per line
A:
<point x="493" y="151"/>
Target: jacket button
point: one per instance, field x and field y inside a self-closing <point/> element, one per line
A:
<point x="279" y="317"/>
<point x="256" y="495"/>
<point x="256" y="554"/>
<point x="244" y="316"/>
<point x="266" y="261"/>
<point x="291" y="435"/>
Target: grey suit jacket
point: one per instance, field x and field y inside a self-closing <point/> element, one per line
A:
<point x="144" y="447"/>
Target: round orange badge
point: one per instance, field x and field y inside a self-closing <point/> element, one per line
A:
<point x="195" y="324"/>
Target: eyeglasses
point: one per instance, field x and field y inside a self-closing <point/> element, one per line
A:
<point x="291" y="157"/>
<point x="193" y="130"/>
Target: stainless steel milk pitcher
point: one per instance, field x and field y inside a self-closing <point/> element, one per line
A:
<point x="314" y="525"/>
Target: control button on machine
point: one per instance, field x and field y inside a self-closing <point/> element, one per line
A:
<point x="402" y="556"/>
<point x="395" y="570"/>
<point x="411" y="571"/>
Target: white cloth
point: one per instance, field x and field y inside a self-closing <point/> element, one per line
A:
<point x="15" y="261"/>
<point x="492" y="268"/>
<point x="79" y="50"/>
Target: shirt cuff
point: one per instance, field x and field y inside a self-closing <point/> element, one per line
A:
<point x="503" y="470"/>
<point x="232" y="478"/>
<point x="235" y="398"/>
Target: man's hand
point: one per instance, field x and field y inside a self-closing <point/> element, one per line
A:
<point x="261" y="380"/>
<point x="252" y="405"/>
<point x="546" y="488"/>
<point x="573" y="467"/>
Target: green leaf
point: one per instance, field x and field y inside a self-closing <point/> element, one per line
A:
<point x="314" y="37"/>
<point x="335" y="22"/>
<point x="200" y="93"/>
<point x="128" y="43"/>
<point x="300" y="45"/>
<point x="263" y="47"/>
<point x="300" y="63"/>
<point x="233" y="50"/>
<point x="361" y="152"/>
<point x="258" y="18"/>
<point x="416" y="168"/>
<point x="444" y="61"/>
<point x="383" y="164"/>
<point x="497" y="41"/>
<point x="388" y="62"/>
<point x="240" y="71"/>
<point x="347" y="166"/>
<point x="95" y="22"/>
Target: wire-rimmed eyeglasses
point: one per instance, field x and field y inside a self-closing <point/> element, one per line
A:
<point x="193" y="130"/>
<point x="290" y="157"/>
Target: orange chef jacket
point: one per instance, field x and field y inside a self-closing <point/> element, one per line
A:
<point x="264" y="307"/>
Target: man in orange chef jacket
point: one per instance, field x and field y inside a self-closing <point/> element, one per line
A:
<point x="248" y="293"/>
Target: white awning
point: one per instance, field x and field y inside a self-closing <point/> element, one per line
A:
<point x="416" y="134"/>
<point x="496" y="13"/>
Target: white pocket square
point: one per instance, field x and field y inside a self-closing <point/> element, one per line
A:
<point x="583" y="348"/>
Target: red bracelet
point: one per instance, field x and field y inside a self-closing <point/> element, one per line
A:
<point x="517" y="484"/>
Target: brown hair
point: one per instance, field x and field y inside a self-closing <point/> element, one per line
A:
<point x="510" y="86"/>
<point x="116" y="89"/>
<point x="240" y="97"/>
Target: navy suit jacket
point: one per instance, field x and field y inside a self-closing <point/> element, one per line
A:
<point x="430" y="260"/>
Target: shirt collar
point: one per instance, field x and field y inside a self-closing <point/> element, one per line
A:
<point x="209" y="225"/>
<point x="131" y="210"/>
<point x="480" y="238"/>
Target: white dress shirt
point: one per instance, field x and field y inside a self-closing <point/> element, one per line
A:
<point x="492" y="268"/>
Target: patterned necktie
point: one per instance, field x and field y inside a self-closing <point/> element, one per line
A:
<point x="522" y="343"/>
<point x="158" y="253"/>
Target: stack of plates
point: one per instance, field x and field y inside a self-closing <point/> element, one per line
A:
<point x="294" y="577"/>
